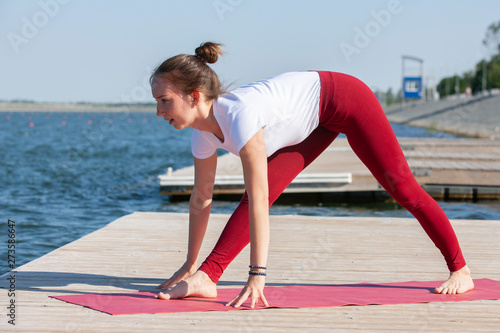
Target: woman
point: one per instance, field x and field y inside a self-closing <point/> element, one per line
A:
<point x="277" y="127"/>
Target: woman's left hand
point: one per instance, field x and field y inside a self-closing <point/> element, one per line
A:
<point x="253" y="289"/>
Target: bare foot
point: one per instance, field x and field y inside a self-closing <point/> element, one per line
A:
<point x="459" y="282"/>
<point x="198" y="285"/>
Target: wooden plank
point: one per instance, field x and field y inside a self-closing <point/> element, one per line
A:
<point x="139" y="251"/>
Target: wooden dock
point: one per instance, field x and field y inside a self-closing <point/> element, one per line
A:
<point x="138" y="251"/>
<point x="450" y="169"/>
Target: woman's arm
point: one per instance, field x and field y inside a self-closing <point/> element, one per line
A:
<point x="254" y="161"/>
<point x="200" y="204"/>
<point x="199" y="212"/>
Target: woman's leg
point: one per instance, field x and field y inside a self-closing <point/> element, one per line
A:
<point x="283" y="167"/>
<point x="374" y="142"/>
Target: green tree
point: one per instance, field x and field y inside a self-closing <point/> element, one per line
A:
<point x="492" y="38"/>
<point x="493" y="74"/>
<point x="389" y="97"/>
<point x="474" y="79"/>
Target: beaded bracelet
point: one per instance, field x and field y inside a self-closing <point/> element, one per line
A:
<point x="256" y="273"/>
<point x="257" y="267"/>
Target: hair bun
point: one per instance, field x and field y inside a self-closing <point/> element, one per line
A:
<point x="209" y="52"/>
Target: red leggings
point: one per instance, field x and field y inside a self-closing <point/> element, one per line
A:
<point x="351" y="108"/>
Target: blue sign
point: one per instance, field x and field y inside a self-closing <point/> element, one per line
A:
<point x="412" y="87"/>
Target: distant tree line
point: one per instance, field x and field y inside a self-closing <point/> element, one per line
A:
<point x="474" y="81"/>
<point x="22" y="101"/>
<point x="30" y="101"/>
<point x="471" y="82"/>
<point x="387" y="98"/>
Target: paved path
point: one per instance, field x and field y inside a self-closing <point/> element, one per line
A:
<point x="476" y="117"/>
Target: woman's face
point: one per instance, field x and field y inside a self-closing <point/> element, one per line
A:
<point x="172" y="104"/>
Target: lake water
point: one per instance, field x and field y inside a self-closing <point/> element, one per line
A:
<point x="64" y="175"/>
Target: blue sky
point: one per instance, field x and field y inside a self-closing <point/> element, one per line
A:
<point x="103" y="51"/>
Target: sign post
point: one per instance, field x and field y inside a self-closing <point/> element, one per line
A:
<point x="412" y="85"/>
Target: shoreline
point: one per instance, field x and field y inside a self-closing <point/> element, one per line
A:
<point x="68" y="107"/>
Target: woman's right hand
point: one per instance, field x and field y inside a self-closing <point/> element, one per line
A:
<point x="183" y="273"/>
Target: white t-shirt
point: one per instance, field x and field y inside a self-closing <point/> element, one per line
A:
<point x="286" y="107"/>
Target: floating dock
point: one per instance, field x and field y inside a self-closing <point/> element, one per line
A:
<point x="139" y="251"/>
<point x="449" y="169"/>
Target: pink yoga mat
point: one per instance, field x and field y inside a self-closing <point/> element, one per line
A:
<point x="288" y="297"/>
